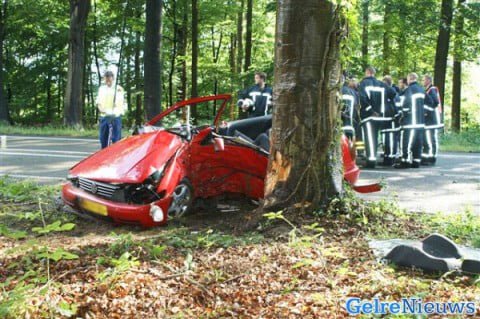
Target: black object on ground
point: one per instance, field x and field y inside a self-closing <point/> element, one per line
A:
<point x="434" y="253"/>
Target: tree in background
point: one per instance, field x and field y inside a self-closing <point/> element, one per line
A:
<point x="4" y="113"/>
<point x="365" y="19"/>
<point x="153" y="66"/>
<point x="248" y="36"/>
<point x="194" y="88"/>
<point x="35" y="70"/>
<point x="76" y="63"/>
<point x="305" y="161"/>
<point x="443" y="43"/>
<point x="457" y="68"/>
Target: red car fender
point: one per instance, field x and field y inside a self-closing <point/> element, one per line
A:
<point x="175" y="172"/>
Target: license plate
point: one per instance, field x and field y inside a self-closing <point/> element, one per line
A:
<point x="93" y="207"/>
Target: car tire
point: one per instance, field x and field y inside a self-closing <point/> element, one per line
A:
<point x="182" y="200"/>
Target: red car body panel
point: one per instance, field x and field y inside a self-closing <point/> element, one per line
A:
<point x="237" y="169"/>
<point x="130" y="160"/>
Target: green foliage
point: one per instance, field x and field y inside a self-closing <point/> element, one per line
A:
<point x="55" y="255"/>
<point x="14" y="234"/>
<point x="26" y="204"/>
<point x="465" y="141"/>
<point x="53" y="227"/>
<point x="461" y="227"/>
<point x="23" y="190"/>
<point x="12" y="302"/>
<point x="118" y="267"/>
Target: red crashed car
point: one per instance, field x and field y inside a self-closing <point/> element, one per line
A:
<point x="158" y="172"/>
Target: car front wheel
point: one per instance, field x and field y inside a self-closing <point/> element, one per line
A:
<point x="182" y="199"/>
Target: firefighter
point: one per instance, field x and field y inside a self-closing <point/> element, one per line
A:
<point x="402" y="87"/>
<point x="349" y="100"/>
<point x="353" y="85"/>
<point x="373" y="113"/>
<point x="413" y="125"/>
<point x="257" y="100"/>
<point x="433" y="122"/>
<point x="389" y="128"/>
<point x="110" y="104"/>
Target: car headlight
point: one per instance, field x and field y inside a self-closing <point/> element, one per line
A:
<point x="73" y="179"/>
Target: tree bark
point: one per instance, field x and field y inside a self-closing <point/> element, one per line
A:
<point x="152" y="65"/>
<point x="48" y="84"/>
<point x="173" y="57"/>
<point x="182" y="51"/>
<point x="4" y="112"/>
<point x="76" y="63"/>
<point x="305" y="159"/>
<point x="456" y="95"/>
<point x="457" y="70"/>
<point x="248" y="36"/>
<point x="194" y="89"/>
<point x="240" y="38"/>
<point x="95" y="52"/>
<point x="443" y="42"/>
<point x="365" y="18"/>
<point x="139" y="117"/>
<point x="128" y="77"/>
<point x="386" y="38"/>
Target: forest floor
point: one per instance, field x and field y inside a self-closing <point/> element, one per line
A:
<point x="55" y="264"/>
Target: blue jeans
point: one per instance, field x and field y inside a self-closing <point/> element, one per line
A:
<point x="110" y="130"/>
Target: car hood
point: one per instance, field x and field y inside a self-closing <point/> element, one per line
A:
<point x="130" y="160"/>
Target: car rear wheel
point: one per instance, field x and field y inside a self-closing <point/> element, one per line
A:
<point x="182" y="199"/>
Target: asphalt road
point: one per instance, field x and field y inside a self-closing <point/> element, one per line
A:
<point x="450" y="186"/>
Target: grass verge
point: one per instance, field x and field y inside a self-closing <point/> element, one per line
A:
<point x="465" y="141"/>
<point x="51" y="131"/>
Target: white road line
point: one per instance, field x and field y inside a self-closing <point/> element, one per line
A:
<point x="41" y="155"/>
<point x="425" y="173"/>
<point x="21" y="137"/>
<point x="33" y="176"/>
<point x="44" y="151"/>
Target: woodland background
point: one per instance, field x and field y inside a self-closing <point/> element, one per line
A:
<point x="214" y="46"/>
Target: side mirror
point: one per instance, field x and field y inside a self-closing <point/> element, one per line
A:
<point x="218" y="144"/>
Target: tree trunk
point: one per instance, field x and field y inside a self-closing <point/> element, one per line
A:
<point x="48" y="84"/>
<point x="128" y="78"/>
<point x="443" y="41"/>
<point x="182" y="51"/>
<point x="95" y="53"/>
<point x="194" y="90"/>
<point x="76" y="63"/>
<point x="215" y="56"/>
<point x="386" y="38"/>
<point x="248" y="36"/>
<point x="240" y="37"/>
<point x="4" y="112"/>
<point x="456" y="95"/>
<point x="305" y="160"/>
<point x="231" y="60"/>
<point x="457" y="70"/>
<point x="139" y="118"/>
<point x="173" y="57"/>
<point x="152" y="64"/>
<point x="365" y="16"/>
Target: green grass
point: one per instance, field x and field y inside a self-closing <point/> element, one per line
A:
<point x="466" y="141"/>
<point x="50" y="130"/>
